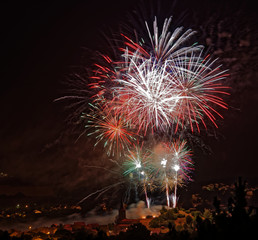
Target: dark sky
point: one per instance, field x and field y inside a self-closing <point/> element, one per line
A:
<point x="42" y="42"/>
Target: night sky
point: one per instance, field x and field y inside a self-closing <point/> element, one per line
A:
<point x="43" y="43"/>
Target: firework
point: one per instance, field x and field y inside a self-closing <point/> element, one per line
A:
<point x="138" y="65"/>
<point x="179" y="92"/>
<point x="175" y="167"/>
<point x="139" y="169"/>
<point x="160" y="85"/>
<point x="157" y="86"/>
<point x="179" y="158"/>
<point x="164" y="45"/>
<point x="109" y="128"/>
<point x="147" y="95"/>
<point x="102" y="78"/>
<point x="199" y="88"/>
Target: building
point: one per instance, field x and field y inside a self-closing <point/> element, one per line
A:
<point x="121" y="213"/>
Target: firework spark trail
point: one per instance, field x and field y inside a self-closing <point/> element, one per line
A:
<point x="146" y="193"/>
<point x="100" y="191"/>
<point x="167" y="45"/>
<point x="164" y="165"/>
<point x="102" y="78"/>
<point x="103" y="168"/>
<point x="162" y="46"/>
<point x="167" y="193"/>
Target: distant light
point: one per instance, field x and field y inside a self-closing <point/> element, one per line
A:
<point x="142" y="172"/>
<point x="176" y="167"/>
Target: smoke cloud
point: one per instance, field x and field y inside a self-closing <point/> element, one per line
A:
<point x="134" y="211"/>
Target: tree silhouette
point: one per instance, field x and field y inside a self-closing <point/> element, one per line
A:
<point x="235" y="223"/>
<point x="4" y="235"/>
<point x="239" y="200"/>
<point x="135" y="231"/>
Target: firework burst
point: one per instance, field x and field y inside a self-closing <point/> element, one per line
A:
<point x="139" y="169"/>
<point x="175" y="167"/>
<point x="109" y="128"/>
<point x="147" y="95"/>
<point x="180" y="92"/>
<point x="199" y="88"/>
<point x="178" y="158"/>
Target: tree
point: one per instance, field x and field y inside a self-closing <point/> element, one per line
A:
<point x="154" y="223"/>
<point x="239" y="201"/>
<point x="4" y="235"/>
<point x="63" y="234"/>
<point x="136" y="231"/>
<point x="101" y="235"/>
<point x="207" y="215"/>
<point x="82" y="234"/>
<point x="188" y="220"/>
